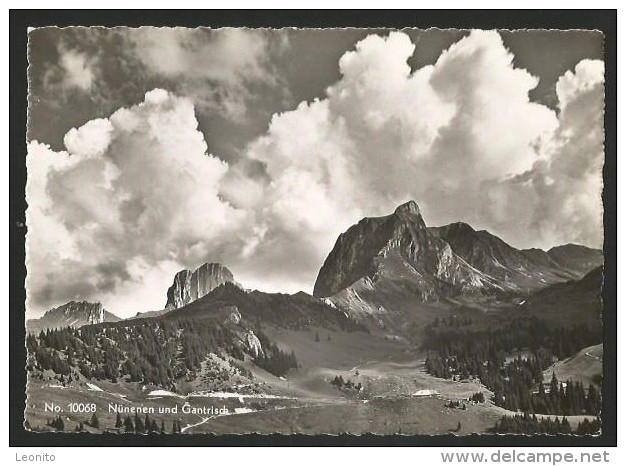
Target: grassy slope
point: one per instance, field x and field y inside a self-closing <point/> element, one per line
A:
<point x="583" y="366"/>
<point x="383" y="416"/>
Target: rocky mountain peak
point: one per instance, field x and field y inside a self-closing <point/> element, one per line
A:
<point x="410" y="208"/>
<point x="72" y="314"/>
<point x="93" y="313"/>
<point x="190" y="285"/>
<point x="401" y="237"/>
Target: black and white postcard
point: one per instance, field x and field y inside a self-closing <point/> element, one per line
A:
<point x="320" y="231"/>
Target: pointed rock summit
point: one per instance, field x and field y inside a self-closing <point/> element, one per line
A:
<point x="410" y="208"/>
<point x="386" y="265"/>
<point x="191" y="285"/>
<point x="72" y="314"/>
<point x="396" y="246"/>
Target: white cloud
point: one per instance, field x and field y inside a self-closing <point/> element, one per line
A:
<point x="91" y="140"/>
<point x="133" y="192"/>
<point x="77" y="69"/>
<point x="559" y="199"/>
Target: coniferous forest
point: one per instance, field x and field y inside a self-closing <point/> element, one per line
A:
<point x="274" y="360"/>
<point x="531" y="424"/>
<point x="157" y="351"/>
<point x="458" y="352"/>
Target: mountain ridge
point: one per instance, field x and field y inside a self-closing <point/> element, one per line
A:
<point x="527" y="269"/>
<point x="396" y="265"/>
<point x="403" y="233"/>
<point x="72" y="314"/>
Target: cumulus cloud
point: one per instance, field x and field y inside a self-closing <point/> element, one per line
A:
<point x="559" y="199"/>
<point x="443" y="135"/>
<point x="132" y="192"/>
<point x="135" y="196"/>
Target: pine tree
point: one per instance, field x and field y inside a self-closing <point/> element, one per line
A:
<point x="118" y="421"/>
<point x="554" y="385"/>
<point x="584" y="427"/>
<point x="317" y="336"/>
<point x="592" y="405"/>
<point x="94" y="422"/>
<point x="139" y="427"/>
<point x="128" y="424"/>
<point x="565" y="426"/>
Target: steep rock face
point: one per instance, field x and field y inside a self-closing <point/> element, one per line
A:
<point x="531" y="269"/>
<point x="72" y="314"/>
<point x="189" y="286"/>
<point x="398" y="246"/>
<point x="577" y="259"/>
<point x="252" y="344"/>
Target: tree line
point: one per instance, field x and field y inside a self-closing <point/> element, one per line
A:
<point x="569" y="398"/>
<point x="517" y="383"/>
<point x="156" y="351"/>
<point x="531" y="424"/>
<point x="129" y="424"/>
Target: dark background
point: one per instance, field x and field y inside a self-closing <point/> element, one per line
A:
<point x="20" y="20"/>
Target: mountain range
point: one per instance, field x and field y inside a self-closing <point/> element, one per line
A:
<point x="394" y="269"/>
<point x="390" y="268"/>
<point x="72" y="314"/>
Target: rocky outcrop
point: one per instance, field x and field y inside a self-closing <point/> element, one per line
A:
<point x="233" y="315"/>
<point x="72" y="314"/>
<point x="191" y="285"/>
<point x="252" y="344"/>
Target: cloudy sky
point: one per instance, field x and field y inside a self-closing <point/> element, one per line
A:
<point x="152" y="150"/>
